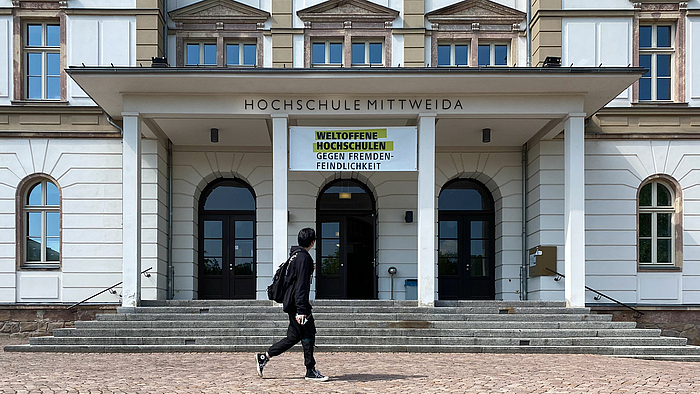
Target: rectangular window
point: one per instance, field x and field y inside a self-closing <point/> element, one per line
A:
<point x="326" y="53"/>
<point x="42" y="51"/>
<point x="453" y="55"/>
<point x="200" y="54"/>
<point x="656" y="54"/>
<point x="493" y="55"/>
<point x="241" y="54"/>
<point x="367" y="53"/>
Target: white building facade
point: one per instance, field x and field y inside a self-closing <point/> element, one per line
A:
<point x="111" y="164"/>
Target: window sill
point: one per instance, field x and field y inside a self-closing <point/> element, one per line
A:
<point x="367" y="65"/>
<point x="658" y="268"/>
<point x="320" y="65"/>
<point x="40" y="267"/>
<point x="41" y="103"/>
<point x="660" y="104"/>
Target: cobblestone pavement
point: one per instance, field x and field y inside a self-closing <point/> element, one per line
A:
<point x="350" y="373"/>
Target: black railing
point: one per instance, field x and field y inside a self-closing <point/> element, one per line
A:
<point x="637" y="312"/>
<point x="109" y="289"/>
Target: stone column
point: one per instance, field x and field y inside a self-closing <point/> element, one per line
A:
<point x="426" y="210"/>
<point x="131" y="210"/>
<point x="279" y="190"/>
<point x="574" y="212"/>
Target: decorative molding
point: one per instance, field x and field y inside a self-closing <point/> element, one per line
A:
<point x="347" y="10"/>
<point x="484" y="12"/>
<point x="218" y="11"/>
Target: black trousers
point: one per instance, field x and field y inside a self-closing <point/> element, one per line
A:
<point x="296" y="332"/>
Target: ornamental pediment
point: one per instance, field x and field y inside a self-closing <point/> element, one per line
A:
<point x="347" y="10"/>
<point x="481" y="11"/>
<point x="229" y="11"/>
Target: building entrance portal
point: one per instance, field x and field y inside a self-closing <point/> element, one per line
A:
<point x="345" y="247"/>
<point x="227" y="241"/>
<point x="466" y="235"/>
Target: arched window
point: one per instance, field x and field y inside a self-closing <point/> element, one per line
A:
<point x="41" y="224"/>
<point x="658" y="224"/>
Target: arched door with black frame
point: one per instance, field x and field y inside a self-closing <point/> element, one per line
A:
<point x="466" y="235"/>
<point x="227" y="251"/>
<point x="345" y="242"/>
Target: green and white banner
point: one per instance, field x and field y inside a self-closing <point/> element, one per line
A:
<point x="353" y="149"/>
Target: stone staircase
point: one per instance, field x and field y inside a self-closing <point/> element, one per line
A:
<point x="366" y="326"/>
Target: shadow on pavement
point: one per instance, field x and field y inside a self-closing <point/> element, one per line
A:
<point x="374" y="377"/>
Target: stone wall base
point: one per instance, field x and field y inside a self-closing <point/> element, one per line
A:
<point x="681" y="321"/>
<point x="22" y="321"/>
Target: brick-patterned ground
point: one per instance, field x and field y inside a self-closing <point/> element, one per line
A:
<point x="350" y="372"/>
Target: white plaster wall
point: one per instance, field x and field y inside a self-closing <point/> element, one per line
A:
<point x="102" y="4"/>
<point x="6" y="3"/>
<point x="694" y="4"/>
<point x="501" y="172"/>
<point x="614" y="172"/>
<point x="590" y="42"/>
<point x="597" y="5"/>
<point x="193" y="170"/>
<point x="98" y="41"/>
<point x="154" y="219"/>
<point x="88" y="172"/>
<point x="545" y="212"/>
<point x="692" y="61"/>
<point x="6" y="85"/>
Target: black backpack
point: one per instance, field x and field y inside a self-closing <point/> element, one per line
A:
<point x="276" y="290"/>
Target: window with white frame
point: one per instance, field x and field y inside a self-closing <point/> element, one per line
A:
<point x="326" y="53"/>
<point x="367" y="53"/>
<point x="200" y="54"/>
<point x="656" y="54"/>
<point x="453" y="55"/>
<point x="42" y="55"/>
<point x="41" y="210"/>
<point x="241" y="54"/>
<point x="493" y="54"/>
<point x="656" y="224"/>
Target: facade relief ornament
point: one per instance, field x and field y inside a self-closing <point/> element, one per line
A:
<point x="484" y="12"/>
<point x="218" y="11"/>
<point x="348" y="11"/>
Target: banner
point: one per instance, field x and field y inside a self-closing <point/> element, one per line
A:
<point x="353" y="149"/>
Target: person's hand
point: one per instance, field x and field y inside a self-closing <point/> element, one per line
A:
<point x="300" y="318"/>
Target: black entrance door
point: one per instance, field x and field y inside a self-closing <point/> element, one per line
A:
<point x="345" y="245"/>
<point x="227" y="241"/>
<point x="466" y="242"/>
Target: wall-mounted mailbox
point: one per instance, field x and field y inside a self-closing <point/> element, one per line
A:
<point x="542" y="258"/>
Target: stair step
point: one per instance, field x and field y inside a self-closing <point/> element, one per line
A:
<point x="383" y="303"/>
<point x="356" y="310"/>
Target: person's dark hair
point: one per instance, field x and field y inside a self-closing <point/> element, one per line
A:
<point x="306" y="237"/>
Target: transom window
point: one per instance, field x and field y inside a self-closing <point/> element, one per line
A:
<point x="367" y="53"/>
<point x="656" y="224"/>
<point x="42" y="51"/>
<point x="241" y="54"/>
<point x="327" y="53"/>
<point x="42" y="217"/>
<point x="656" y="54"/>
<point x="453" y="55"/>
<point x="201" y="54"/>
<point x="493" y="55"/>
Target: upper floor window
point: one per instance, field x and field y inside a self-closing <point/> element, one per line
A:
<point x="493" y="55"/>
<point x="453" y="55"/>
<point x="327" y="53"/>
<point x="42" y="54"/>
<point x="367" y="53"/>
<point x="656" y="54"/>
<point x="241" y="54"/>
<point x="658" y="219"/>
<point x="201" y="54"/>
<point x="41" y="207"/>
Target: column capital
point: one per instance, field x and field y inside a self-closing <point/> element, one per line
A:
<point x="131" y="114"/>
<point x="574" y="115"/>
<point x="280" y="116"/>
<point x="427" y="115"/>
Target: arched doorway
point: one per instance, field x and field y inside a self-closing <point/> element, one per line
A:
<point x="345" y="250"/>
<point x="227" y="240"/>
<point x="466" y="236"/>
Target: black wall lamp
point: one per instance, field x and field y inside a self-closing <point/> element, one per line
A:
<point x="486" y="136"/>
<point x="214" y="135"/>
<point x="409" y="217"/>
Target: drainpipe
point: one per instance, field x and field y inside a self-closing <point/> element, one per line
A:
<point x="171" y="270"/>
<point x="524" y="265"/>
<point x="111" y="121"/>
<point x="528" y="18"/>
<point x="165" y="34"/>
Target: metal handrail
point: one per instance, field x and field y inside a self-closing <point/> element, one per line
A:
<point x="637" y="312"/>
<point x="108" y="289"/>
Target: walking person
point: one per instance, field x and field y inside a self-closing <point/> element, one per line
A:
<point x="296" y="304"/>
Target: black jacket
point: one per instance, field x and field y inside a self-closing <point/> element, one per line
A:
<point x="298" y="282"/>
